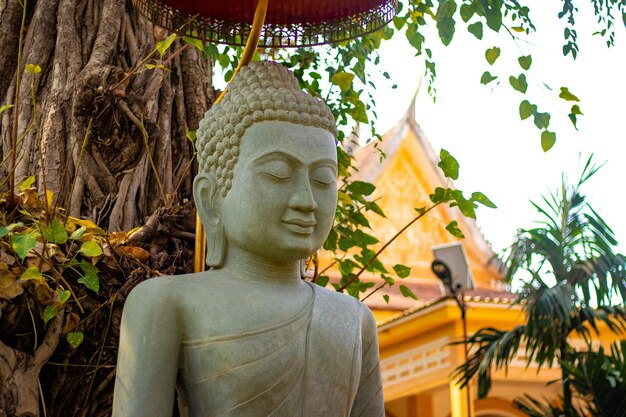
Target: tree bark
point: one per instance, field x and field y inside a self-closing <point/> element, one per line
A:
<point x="106" y="136"/>
<point x="90" y="124"/>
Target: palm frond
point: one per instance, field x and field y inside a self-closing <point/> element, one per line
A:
<point x="493" y="349"/>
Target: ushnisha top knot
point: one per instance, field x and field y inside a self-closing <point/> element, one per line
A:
<point x="261" y="91"/>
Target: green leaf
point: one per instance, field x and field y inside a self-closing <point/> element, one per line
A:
<point x="322" y="280"/>
<point x="32" y="273"/>
<point x="22" y="243"/>
<point x="476" y="29"/>
<point x="449" y="165"/>
<point x="454" y="230"/>
<point x="467" y="11"/>
<point x="191" y="135"/>
<point x="5" y="230"/>
<point x="343" y="80"/>
<point x="526" y="109"/>
<point x="5" y="107"/>
<point x="361" y="187"/>
<point x="90" y="279"/>
<point x="196" y="43"/>
<point x="525" y="61"/>
<point x="440" y="195"/>
<point x="547" y="140"/>
<point x="542" y="120"/>
<point x="494" y="16"/>
<point x="398" y="22"/>
<point x="492" y="54"/>
<point x="402" y="271"/>
<point x="27" y="183"/>
<point x="90" y="249"/>
<point x="407" y="292"/>
<point x="486" y="78"/>
<point x="358" y="112"/>
<point x="479" y="197"/>
<point x="445" y="21"/>
<point x="163" y="46"/>
<point x="33" y="69"/>
<point x="576" y="110"/>
<point x="567" y="96"/>
<point x="49" y="313"/>
<point x="75" y="339"/>
<point x="55" y="232"/>
<point x="157" y="66"/>
<point x="386" y="298"/>
<point x="519" y="83"/>
<point x="446" y="30"/>
<point x="64" y="295"/>
<point x="78" y="233"/>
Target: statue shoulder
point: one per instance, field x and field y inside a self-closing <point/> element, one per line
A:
<point x="345" y="304"/>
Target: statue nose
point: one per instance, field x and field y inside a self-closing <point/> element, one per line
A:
<point x="302" y="198"/>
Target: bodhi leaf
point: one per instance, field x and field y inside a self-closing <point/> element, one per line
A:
<point x="519" y="83"/>
<point x="486" y="78"/>
<point x="64" y="295"/>
<point x="449" y="165"/>
<point x="49" y="313"/>
<point x="492" y="54"/>
<point x="542" y="120"/>
<point x="22" y="243"/>
<point x="402" y="271"/>
<point x="525" y="61"/>
<point x="196" y="43"/>
<point x="75" y="339"/>
<point x="476" y="29"/>
<point x="361" y="188"/>
<point x="526" y="109"/>
<point x="343" y="80"/>
<point x="567" y="96"/>
<point x="479" y="197"/>
<point x="55" y="232"/>
<point x="547" y="140"/>
<point x="90" y="249"/>
<point x="454" y="230"/>
<point x="445" y="21"/>
<point x="163" y="46"/>
<point x="90" y="279"/>
<point x="32" y="273"/>
<point x="33" y="69"/>
<point x="407" y="292"/>
<point x="78" y="233"/>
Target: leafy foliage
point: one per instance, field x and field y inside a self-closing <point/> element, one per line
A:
<point x="573" y="282"/>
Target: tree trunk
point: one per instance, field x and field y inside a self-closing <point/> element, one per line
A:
<point x="104" y="134"/>
<point x="86" y="139"/>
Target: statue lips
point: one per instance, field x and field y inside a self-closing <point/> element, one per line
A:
<point x="300" y="226"/>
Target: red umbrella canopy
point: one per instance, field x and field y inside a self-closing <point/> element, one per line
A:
<point x="288" y="23"/>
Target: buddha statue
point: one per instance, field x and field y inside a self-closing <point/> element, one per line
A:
<point x="250" y="337"/>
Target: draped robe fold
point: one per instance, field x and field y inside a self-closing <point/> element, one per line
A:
<point x="319" y="363"/>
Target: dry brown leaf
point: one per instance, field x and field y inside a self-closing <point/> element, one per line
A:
<point x="10" y="287"/>
<point x="134" y="252"/>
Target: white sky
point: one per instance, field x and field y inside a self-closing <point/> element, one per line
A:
<point x="499" y="154"/>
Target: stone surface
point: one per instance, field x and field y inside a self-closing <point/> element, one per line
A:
<point x="249" y="337"/>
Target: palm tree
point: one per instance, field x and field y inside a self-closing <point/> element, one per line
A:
<point x="572" y="280"/>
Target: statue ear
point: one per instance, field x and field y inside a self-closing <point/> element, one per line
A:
<point x="205" y="194"/>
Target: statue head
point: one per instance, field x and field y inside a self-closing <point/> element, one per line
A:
<point x="267" y="157"/>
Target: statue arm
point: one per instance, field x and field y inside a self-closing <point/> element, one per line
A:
<point x="369" y="397"/>
<point x="148" y="354"/>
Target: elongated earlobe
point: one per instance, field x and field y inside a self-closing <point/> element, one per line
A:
<point x="205" y="194"/>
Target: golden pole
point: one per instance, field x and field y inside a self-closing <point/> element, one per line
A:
<point x="199" y="261"/>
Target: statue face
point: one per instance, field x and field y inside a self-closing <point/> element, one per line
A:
<point x="284" y="193"/>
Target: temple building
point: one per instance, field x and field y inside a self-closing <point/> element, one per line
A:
<point x="415" y="336"/>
